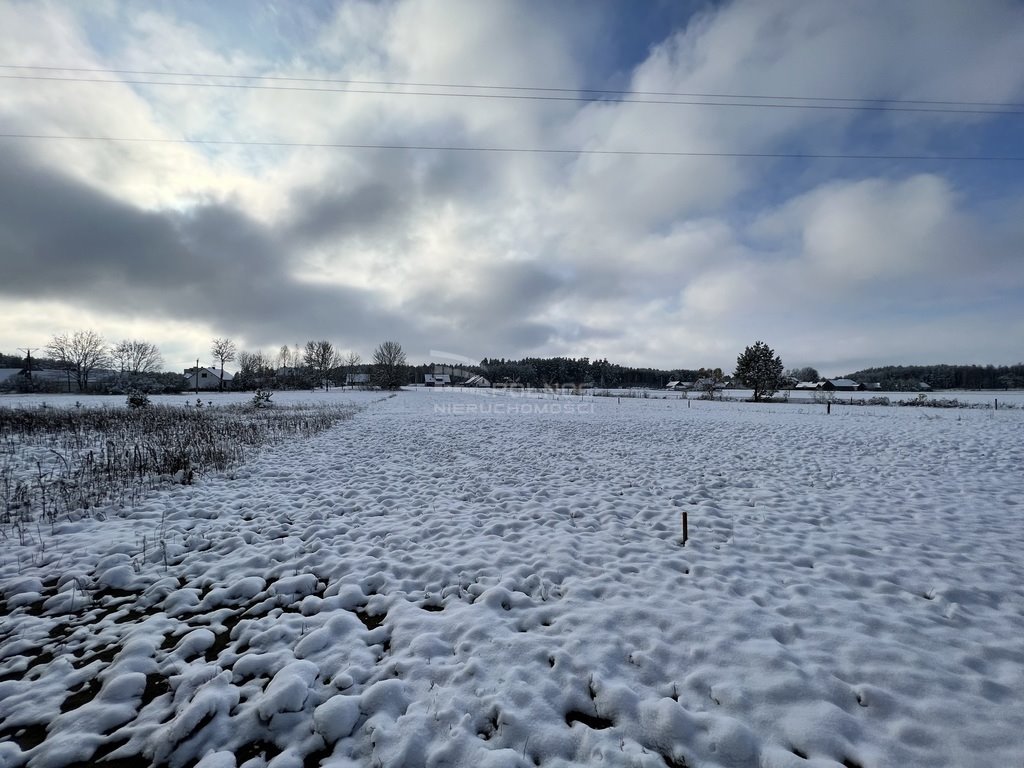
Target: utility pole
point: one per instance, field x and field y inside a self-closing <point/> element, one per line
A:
<point x="197" y="375"/>
<point x="28" y="355"/>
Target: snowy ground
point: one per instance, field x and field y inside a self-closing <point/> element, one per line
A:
<point x="467" y="580"/>
<point x="286" y="397"/>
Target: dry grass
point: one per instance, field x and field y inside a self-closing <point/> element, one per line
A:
<point x="56" y="462"/>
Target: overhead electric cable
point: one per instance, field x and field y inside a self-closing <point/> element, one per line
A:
<point x="398" y="83"/>
<point x="524" y="150"/>
<point x="529" y="97"/>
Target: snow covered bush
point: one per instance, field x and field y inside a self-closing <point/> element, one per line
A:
<point x="261" y="398"/>
<point x="138" y="399"/>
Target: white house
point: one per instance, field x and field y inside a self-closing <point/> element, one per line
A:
<point x="206" y="378"/>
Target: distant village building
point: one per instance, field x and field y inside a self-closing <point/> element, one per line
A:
<point x="206" y="378"/>
<point x="707" y="383"/>
<point x="437" y="380"/>
<point x="477" y="381"/>
<point x="357" y="380"/>
<point x="679" y="386"/>
<point x="841" y="385"/>
<point x="454" y="373"/>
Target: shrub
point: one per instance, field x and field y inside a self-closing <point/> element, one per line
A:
<point x="261" y="398"/>
<point x="138" y="399"/>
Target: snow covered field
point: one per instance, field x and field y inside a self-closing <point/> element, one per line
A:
<point x="974" y="397"/>
<point x="466" y="580"/>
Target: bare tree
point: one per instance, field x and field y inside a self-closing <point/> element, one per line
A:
<point x="284" y="357"/>
<point x="225" y="351"/>
<point x="389" y="365"/>
<point x="709" y="381"/>
<point x="253" y="368"/>
<point x="804" y="374"/>
<point x="321" y="356"/>
<point x="137" y="356"/>
<point x="351" y="362"/>
<point x="80" y="353"/>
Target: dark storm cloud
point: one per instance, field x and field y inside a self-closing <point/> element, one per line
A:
<point x="57" y="235"/>
<point x="61" y="239"/>
<point x="509" y="293"/>
<point x="500" y="310"/>
<point x="332" y="214"/>
<point x="376" y="194"/>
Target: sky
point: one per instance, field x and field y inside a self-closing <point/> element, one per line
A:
<point x="647" y="259"/>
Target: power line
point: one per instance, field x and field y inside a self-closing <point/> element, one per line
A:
<point x="519" y="150"/>
<point x="397" y="83"/>
<point x="530" y="97"/>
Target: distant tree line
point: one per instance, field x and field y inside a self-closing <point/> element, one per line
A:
<point x="580" y="371"/>
<point x="907" y="378"/>
<point x="317" y="364"/>
<point x="85" y="362"/>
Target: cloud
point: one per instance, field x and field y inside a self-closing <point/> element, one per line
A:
<point x="62" y="239"/>
<point x="646" y="260"/>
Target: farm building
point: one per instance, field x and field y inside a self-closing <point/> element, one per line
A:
<point x="357" y="380"/>
<point x="477" y="381"/>
<point x="437" y="380"/>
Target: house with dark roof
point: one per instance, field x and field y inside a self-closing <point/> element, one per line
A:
<point x="841" y="385"/>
